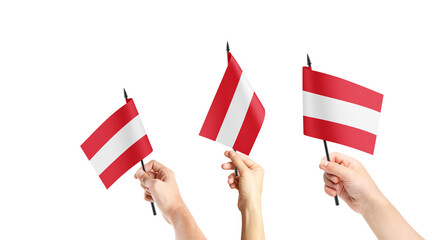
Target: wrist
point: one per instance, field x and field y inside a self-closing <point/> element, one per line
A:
<point x="252" y="222"/>
<point x="373" y="204"/>
<point x="177" y="213"/>
<point x="250" y="205"/>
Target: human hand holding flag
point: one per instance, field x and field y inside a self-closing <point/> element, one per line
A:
<point x="348" y="178"/>
<point x="236" y="114"/>
<point x="249" y="185"/>
<point x="118" y="144"/>
<point x="340" y="111"/>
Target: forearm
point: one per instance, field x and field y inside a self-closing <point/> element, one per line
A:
<point x="252" y="222"/>
<point x="386" y="222"/>
<point x="185" y="226"/>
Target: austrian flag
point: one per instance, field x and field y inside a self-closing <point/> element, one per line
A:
<point x="340" y="111"/>
<point x="236" y="114"/>
<point x="118" y="144"/>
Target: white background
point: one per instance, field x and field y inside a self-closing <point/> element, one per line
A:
<point x="63" y="66"/>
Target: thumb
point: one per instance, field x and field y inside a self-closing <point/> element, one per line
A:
<point x="237" y="160"/>
<point x="335" y="169"/>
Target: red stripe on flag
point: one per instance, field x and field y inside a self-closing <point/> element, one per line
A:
<point x="339" y="133"/>
<point x="251" y="126"/>
<point x="334" y="87"/>
<point x="222" y="100"/>
<point x="138" y="151"/>
<point x="109" y="128"/>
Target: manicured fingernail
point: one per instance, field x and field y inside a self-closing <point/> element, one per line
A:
<point x="232" y="153"/>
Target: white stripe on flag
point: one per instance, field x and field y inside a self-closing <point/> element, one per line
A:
<point x="119" y="143"/>
<point x="342" y="112"/>
<point x="236" y="113"/>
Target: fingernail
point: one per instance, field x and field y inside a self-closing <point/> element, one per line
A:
<point x="324" y="163"/>
<point x="232" y="153"/>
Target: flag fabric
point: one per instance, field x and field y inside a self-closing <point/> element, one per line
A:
<point x="236" y="114"/>
<point x="340" y="111"/>
<point x="118" y="144"/>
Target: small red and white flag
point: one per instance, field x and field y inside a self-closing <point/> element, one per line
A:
<point x="236" y="114"/>
<point x="340" y="111"/>
<point x="118" y="144"/>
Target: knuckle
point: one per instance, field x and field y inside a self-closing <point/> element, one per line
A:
<point x="349" y="175"/>
<point x="334" y="155"/>
<point x="142" y="178"/>
<point x="171" y="172"/>
<point x="156" y="183"/>
<point x="151" y="162"/>
<point x="260" y="171"/>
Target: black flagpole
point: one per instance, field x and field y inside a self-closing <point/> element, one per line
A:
<point x="325" y="142"/>
<point x="142" y="163"/>
<point x="235" y="168"/>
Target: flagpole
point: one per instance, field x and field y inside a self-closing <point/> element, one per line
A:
<point x="142" y="162"/>
<point x="309" y="63"/>
<point x="235" y="168"/>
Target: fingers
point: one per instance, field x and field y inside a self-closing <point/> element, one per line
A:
<point x="154" y="166"/>
<point x="329" y="183"/>
<point x="332" y="178"/>
<point x="148" y="197"/>
<point x="147" y="181"/>
<point x="340" y="159"/>
<point x="228" y="166"/>
<point x="146" y="189"/>
<point x="237" y="160"/>
<point x="233" y="181"/>
<point x="330" y="191"/>
<point x="139" y="173"/>
<point x="232" y="178"/>
<point x="335" y="169"/>
<point x="242" y="162"/>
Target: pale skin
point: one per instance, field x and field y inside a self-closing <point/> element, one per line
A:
<point x="249" y="184"/>
<point x="346" y="177"/>
<point x="160" y="187"/>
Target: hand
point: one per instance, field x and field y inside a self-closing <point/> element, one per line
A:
<point x="160" y="187"/>
<point x="249" y="183"/>
<point x="346" y="177"/>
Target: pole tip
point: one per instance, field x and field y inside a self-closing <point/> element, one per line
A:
<point x="309" y="63"/>
<point x="125" y="94"/>
<point x="227" y="47"/>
